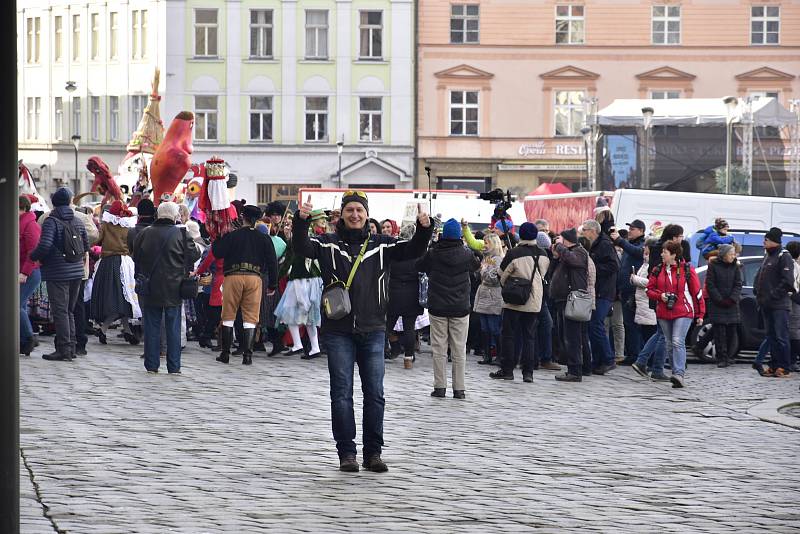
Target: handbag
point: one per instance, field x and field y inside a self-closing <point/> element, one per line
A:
<point x="579" y="306"/>
<point x="516" y="291"/>
<point x="142" y="280"/>
<point x="336" y="296"/>
<point x="190" y="285"/>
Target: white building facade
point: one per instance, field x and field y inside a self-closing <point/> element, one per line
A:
<point x="275" y="85"/>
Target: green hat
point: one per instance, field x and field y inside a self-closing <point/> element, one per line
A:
<point x="316" y="215"/>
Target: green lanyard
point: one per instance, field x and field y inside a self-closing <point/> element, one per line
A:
<point x="357" y="263"/>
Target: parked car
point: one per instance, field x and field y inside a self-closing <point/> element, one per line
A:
<point x="752" y="242"/>
<point x="751" y="331"/>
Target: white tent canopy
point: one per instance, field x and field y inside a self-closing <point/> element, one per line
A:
<point x="693" y="112"/>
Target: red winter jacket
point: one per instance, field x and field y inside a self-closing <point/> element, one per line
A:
<point x="29" y="234"/>
<point x="690" y="301"/>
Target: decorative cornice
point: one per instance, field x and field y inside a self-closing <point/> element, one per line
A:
<point x="464" y="72"/>
<point x="569" y="73"/>
<point x="765" y="74"/>
<point x="666" y="74"/>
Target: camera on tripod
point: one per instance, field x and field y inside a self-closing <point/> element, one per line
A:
<point x="501" y="199"/>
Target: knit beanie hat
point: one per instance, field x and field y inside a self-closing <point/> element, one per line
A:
<point x="720" y="223"/>
<point x="452" y="229"/>
<point x="168" y="210"/>
<point x="146" y="208"/>
<point x="775" y="234"/>
<point x="528" y="231"/>
<point x="508" y="226"/>
<point x="355" y="196"/>
<point x="62" y="197"/>
<point x="570" y="235"/>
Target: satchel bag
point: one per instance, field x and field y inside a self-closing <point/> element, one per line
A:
<point x="190" y="285"/>
<point x="579" y="306"/>
<point x="142" y="280"/>
<point x="336" y="296"/>
<point x="516" y="291"/>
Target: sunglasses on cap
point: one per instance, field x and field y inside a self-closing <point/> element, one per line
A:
<point x="356" y="193"/>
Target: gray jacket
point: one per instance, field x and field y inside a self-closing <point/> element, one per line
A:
<point x="488" y="298"/>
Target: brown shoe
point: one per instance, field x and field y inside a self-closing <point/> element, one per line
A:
<point x="375" y="464"/>
<point x="408" y="362"/>
<point x="780" y="372"/>
<point x="550" y="366"/>
<point x="769" y="372"/>
<point x="348" y="464"/>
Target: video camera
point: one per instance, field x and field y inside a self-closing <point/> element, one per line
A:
<point x="502" y="201"/>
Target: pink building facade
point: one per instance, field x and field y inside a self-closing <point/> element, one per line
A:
<point x="505" y="86"/>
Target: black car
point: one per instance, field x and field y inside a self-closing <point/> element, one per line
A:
<point x="752" y="330"/>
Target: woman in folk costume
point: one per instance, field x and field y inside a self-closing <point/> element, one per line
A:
<point x="113" y="297"/>
<point x="300" y="302"/>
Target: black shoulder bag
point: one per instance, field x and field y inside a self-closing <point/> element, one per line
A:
<point x="516" y="291"/>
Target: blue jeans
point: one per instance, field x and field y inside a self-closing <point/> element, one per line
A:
<point x="344" y="351"/>
<point x="544" y="334"/>
<point x="763" y="349"/>
<point x="25" y="292"/>
<point x="675" y="338"/>
<point x="151" y="318"/>
<point x="655" y="348"/>
<point x="778" y="336"/>
<point x="598" y="336"/>
<point x="490" y="326"/>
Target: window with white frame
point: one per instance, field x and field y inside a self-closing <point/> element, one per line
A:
<point x="261" y="118"/>
<point x="113" y="35"/>
<point x="317" y="118"/>
<point x="666" y="21"/>
<point x="316" y="34"/>
<point x="113" y="118"/>
<point x="463" y="112"/>
<point x="76" y="37"/>
<point x="58" y="118"/>
<point x="95" y="35"/>
<point x="205" y="32"/>
<point x="34" y="27"/>
<point x="205" y="118"/>
<point x="569" y="111"/>
<point x="261" y="33"/>
<point x="570" y="24"/>
<point x="58" y="36"/>
<point x="464" y="23"/>
<point x="94" y="105"/>
<point x="76" y="115"/>
<point x="765" y="25"/>
<point x="664" y="95"/>
<point x="139" y="33"/>
<point x="137" y="105"/>
<point x="371" y="35"/>
<point x="370" y="110"/>
<point x="34" y="105"/>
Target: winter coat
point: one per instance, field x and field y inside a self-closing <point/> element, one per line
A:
<point x="712" y="240"/>
<point x="689" y="303"/>
<point x="571" y="272"/>
<point x="404" y="288"/>
<point x="144" y="222"/>
<point x="50" y="251"/>
<point x="644" y="314"/>
<point x="167" y="271"/>
<point x="29" y="233"/>
<point x="606" y="263"/>
<point x="723" y="292"/>
<point x="632" y="259"/>
<point x="488" y="298"/>
<point x="113" y="239"/>
<point x="775" y="280"/>
<point x="794" y="314"/>
<point x="519" y="263"/>
<point x="448" y="264"/>
<point x="336" y="252"/>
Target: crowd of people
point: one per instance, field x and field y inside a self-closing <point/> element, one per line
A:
<point x="362" y="291"/>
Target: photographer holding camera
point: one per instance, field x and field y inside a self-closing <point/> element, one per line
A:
<point x="679" y="295"/>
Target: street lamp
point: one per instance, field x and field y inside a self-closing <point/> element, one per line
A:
<point x="76" y="142"/>
<point x="730" y="103"/>
<point x="647" y="113"/>
<point x="339" y="148"/>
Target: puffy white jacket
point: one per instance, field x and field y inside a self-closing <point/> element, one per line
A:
<point x="644" y="314"/>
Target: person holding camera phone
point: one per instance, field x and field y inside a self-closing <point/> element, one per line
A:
<point x="679" y="296"/>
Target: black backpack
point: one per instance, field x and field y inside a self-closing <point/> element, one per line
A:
<point x="73" y="242"/>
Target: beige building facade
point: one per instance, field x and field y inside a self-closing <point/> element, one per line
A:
<point x="505" y="87"/>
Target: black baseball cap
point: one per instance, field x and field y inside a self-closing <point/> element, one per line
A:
<point x="637" y="223"/>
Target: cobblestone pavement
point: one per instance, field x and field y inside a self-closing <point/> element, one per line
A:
<point x="112" y="449"/>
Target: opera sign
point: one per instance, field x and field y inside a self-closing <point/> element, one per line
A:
<point x="541" y="148"/>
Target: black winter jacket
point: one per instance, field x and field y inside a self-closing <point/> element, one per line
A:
<point x="606" y="262"/>
<point x="632" y="259"/>
<point x="404" y="288"/>
<point x="775" y="280"/>
<point x="448" y="264"/>
<point x="163" y="238"/>
<point x="724" y="290"/>
<point x="336" y="252"/>
<point x="571" y="272"/>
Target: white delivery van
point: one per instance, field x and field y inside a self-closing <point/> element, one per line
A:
<point x="695" y="211"/>
<point x="400" y="205"/>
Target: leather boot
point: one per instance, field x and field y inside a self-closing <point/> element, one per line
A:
<point x="226" y="339"/>
<point x="487" y="354"/>
<point x="248" y="337"/>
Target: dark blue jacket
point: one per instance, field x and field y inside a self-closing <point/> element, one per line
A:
<point x="631" y="261"/>
<point x="50" y="252"/>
